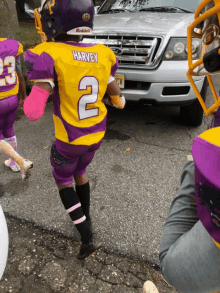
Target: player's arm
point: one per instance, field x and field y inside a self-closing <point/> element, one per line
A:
<point x="114" y="96"/>
<point x="40" y="70"/>
<point x="44" y="85"/>
<point x="35" y="103"/>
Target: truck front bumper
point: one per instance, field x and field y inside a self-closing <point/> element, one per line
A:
<point x="168" y="84"/>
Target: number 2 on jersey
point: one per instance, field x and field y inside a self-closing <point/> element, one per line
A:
<point x="83" y="112"/>
<point x="10" y="63"/>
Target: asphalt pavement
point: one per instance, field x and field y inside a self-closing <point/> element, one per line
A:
<point x="45" y="262"/>
<point x="134" y="177"/>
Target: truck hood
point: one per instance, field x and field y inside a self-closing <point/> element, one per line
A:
<point x="141" y="23"/>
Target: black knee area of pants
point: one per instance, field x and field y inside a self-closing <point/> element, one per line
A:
<point x="69" y="197"/>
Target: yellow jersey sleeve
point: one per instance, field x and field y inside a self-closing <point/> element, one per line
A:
<point x="20" y="49"/>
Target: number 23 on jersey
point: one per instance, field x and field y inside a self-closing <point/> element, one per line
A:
<point x="10" y="78"/>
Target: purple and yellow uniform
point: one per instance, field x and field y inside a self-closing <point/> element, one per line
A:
<point x="10" y="51"/>
<point x="81" y="73"/>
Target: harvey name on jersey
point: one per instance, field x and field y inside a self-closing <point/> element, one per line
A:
<point x="85" y="56"/>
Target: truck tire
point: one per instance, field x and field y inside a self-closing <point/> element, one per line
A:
<point x="192" y="114"/>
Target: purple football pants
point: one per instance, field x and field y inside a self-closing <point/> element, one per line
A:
<point x="70" y="160"/>
<point x="8" y="108"/>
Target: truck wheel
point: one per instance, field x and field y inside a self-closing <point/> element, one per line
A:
<point x="192" y="114"/>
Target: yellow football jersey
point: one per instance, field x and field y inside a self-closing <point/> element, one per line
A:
<point x="80" y="73"/>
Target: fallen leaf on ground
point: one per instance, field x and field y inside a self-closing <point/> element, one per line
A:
<point x="127" y="150"/>
<point x="46" y="147"/>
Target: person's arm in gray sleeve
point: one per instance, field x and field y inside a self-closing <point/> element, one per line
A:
<point x="189" y="259"/>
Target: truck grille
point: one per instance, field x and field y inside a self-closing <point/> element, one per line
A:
<point x="132" y="51"/>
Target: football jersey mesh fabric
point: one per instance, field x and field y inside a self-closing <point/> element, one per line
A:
<point x="80" y="73"/>
<point x="10" y="51"/>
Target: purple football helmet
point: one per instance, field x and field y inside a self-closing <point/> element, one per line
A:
<point x="74" y="17"/>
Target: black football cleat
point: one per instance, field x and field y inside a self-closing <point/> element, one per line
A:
<point x="87" y="249"/>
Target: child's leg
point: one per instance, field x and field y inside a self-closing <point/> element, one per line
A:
<point x="82" y="183"/>
<point x="83" y="192"/>
<point x="5" y="110"/>
<point x="8" y="107"/>
<point x="25" y="165"/>
<point x="73" y="207"/>
<point x="8" y="130"/>
<point x="7" y="149"/>
<point x="63" y="170"/>
<point x="10" y="162"/>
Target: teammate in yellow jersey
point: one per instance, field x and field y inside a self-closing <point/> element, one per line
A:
<point x="82" y="79"/>
<point x="11" y="82"/>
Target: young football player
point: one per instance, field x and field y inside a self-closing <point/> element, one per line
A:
<point x="80" y="75"/>
<point x="11" y="82"/>
<point x="190" y="243"/>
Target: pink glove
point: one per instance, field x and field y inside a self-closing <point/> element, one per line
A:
<point x="35" y="103"/>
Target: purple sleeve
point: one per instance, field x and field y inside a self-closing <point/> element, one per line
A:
<point x="39" y="67"/>
<point x="114" y="68"/>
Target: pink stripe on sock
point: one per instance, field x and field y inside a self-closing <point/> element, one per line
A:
<point x="73" y="208"/>
<point x="79" y="220"/>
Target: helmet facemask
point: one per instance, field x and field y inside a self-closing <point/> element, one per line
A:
<point x="38" y="25"/>
<point x="205" y="27"/>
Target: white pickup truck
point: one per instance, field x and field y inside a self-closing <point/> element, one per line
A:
<point x="150" y="39"/>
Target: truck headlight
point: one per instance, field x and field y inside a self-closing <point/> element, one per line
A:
<point x="177" y="49"/>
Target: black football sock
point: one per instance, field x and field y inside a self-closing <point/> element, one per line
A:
<point x="72" y="205"/>
<point x="83" y="192"/>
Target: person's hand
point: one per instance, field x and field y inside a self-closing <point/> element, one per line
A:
<point x="107" y="100"/>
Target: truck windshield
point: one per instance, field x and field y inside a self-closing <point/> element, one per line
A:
<point x="178" y="6"/>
